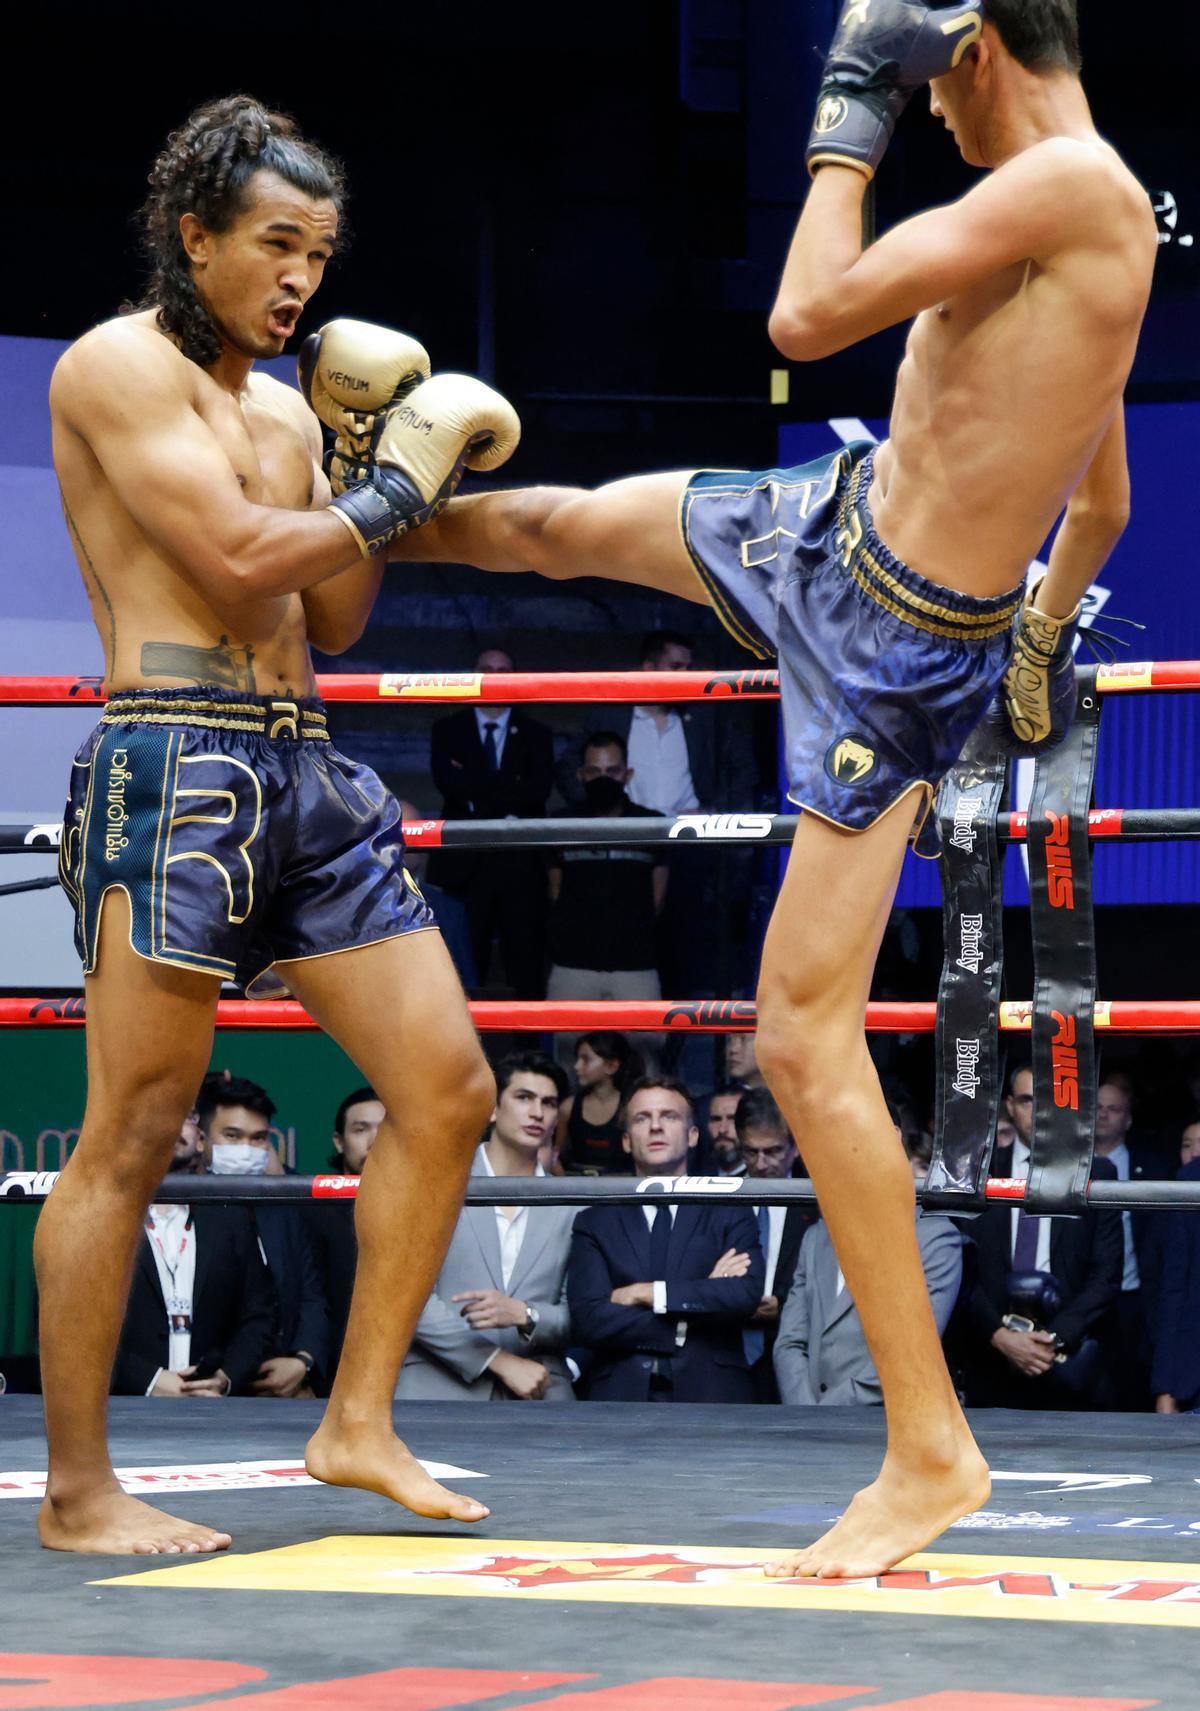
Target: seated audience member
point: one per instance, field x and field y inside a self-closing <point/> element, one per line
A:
<point x="605" y="900"/>
<point x="1136" y="1306"/>
<point x="1045" y="1288"/>
<point x="330" y="1223"/>
<point x="741" y="1061"/>
<point x="491" y="763"/>
<point x="235" y="1124"/>
<point x="721" y="1130"/>
<point x="660" y="1291"/>
<point x="768" y="1153"/>
<point x="201" y="1316"/>
<point x="496" y="1325"/>
<point x="187" y="1158"/>
<point x="821" y="1355"/>
<point x="1175" y="1377"/>
<point x="589" y="1122"/>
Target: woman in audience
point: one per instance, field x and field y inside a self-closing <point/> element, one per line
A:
<point x="589" y="1121"/>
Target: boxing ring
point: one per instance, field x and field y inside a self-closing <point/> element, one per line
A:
<point x="606" y="1518"/>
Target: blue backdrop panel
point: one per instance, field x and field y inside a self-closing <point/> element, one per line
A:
<point x="1149" y="749"/>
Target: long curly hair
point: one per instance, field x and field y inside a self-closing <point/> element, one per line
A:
<point x="204" y="170"/>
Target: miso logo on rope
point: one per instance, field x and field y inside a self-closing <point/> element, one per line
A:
<point x="850" y="760"/>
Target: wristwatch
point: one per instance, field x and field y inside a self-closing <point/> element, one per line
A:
<point x="531" y="1322"/>
<point x="300" y="1355"/>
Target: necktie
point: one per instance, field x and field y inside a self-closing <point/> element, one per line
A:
<point x="490" y="746"/>
<point x="1026" y="1245"/>
<point x="754" y="1341"/>
<point x="660" y="1243"/>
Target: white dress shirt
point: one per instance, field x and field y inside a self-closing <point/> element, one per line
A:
<point x="662" y="774"/>
<point x="511" y="1231"/>
<point x="173" y="1244"/>
<point x="777" y="1216"/>
<point x="500" y="717"/>
<point x="650" y="1213"/>
<point x="1020" y="1169"/>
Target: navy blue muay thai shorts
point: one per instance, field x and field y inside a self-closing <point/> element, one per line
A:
<point x="239" y="834"/>
<point x="883" y="675"/>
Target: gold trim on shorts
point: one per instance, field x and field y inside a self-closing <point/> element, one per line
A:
<point x="250" y="716"/>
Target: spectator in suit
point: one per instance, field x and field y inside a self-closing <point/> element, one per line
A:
<point x="660" y="1292"/>
<point x="741" y="1059"/>
<point x="768" y="1152"/>
<point x="720" y="1127"/>
<point x="821" y="1355"/>
<point x="201" y="1315"/>
<point x="235" y="1123"/>
<point x="1008" y="1366"/>
<point x="330" y="1223"/>
<point x="491" y="763"/>
<point x="497" y="1326"/>
<point x="1136" y="1307"/>
<point x="605" y="899"/>
<point x="683" y="760"/>
<point x="1175" y="1377"/>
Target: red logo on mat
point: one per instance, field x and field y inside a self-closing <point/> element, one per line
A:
<point x="1064" y="1060"/>
<point x="1060" y="878"/>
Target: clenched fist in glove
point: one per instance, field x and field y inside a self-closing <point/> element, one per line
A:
<point x="1036" y="704"/>
<point x="882" y="51"/>
<point x="351" y="372"/>
<point x="420" y="448"/>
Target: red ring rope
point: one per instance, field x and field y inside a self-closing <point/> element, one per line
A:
<point x="702" y="1015"/>
<point x="564" y="686"/>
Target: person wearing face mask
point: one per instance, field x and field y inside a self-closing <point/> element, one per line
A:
<point x="605" y="900"/>
<point x="235" y="1123"/>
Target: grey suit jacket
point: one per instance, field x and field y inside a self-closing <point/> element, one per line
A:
<point x="447" y="1360"/>
<point x="820" y="1353"/>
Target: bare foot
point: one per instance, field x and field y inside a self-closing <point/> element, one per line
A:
<point x="378" y="1461"/>
<point x="112" y="1523"/>
<point x="900" y="1513"/>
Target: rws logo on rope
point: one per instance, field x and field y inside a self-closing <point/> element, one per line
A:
<point x="966" y="1063"/>
<point x="970" y="955"/>
<point x="743" y="683"/>
<point x="965" y="830"/>
<point x="722" y="826"/>
<point x="705" y="1012"/>
<point x="64" y="1009"/>
<point x="1060" y="877"/>
<point x="690" y="1185"/>
<point x="33" y="1184"/>
<point x="1064" y="1062"/>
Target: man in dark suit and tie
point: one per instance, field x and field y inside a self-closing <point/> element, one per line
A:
<point x="491" y="763"/>
<point x="768" y="1152"/>
<point x="661" y="1291"/>
<point x="200" y="1293"/>
<point x="1007" y="1365"/>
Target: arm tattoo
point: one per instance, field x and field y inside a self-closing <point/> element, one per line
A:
<point x="226" y="666"/>
<point x="91" y="574"/>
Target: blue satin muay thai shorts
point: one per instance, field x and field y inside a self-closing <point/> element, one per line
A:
<point x="883" y="675"/>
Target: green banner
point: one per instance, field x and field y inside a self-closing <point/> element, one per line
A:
<point x="43" y="1089"/>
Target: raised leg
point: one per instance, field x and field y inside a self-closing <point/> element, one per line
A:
<point x="149" y="1039"/>
<point x="627" y="531"/>
<point x="816" y="974"/>
<point x="398" y="1010"/>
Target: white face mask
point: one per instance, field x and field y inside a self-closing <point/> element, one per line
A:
<point x="230" y="1160"/>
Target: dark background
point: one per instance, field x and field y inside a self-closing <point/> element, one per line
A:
<point x="588" y="204"/>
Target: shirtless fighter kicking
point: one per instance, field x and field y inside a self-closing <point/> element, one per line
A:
<point x="212" y="830"/>
<point x="888" y="581"/>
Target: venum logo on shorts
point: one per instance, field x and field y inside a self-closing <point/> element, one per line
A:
<point x="966" y="1061"/>
<point x="850" y="760"/>
<point x="830" y="114"/>
<point x="965" y="830"/>
<point x="970" y="954"/>
<point x="115" y="814"/>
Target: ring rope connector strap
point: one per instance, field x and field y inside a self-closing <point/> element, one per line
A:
<point x="1064" y="962"/>
<point x="968" y="1006"/>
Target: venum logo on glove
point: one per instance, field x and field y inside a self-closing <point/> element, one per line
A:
<point x="830" y="114"/>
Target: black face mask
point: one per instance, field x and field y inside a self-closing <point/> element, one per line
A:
<point x="603" y="795"/>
